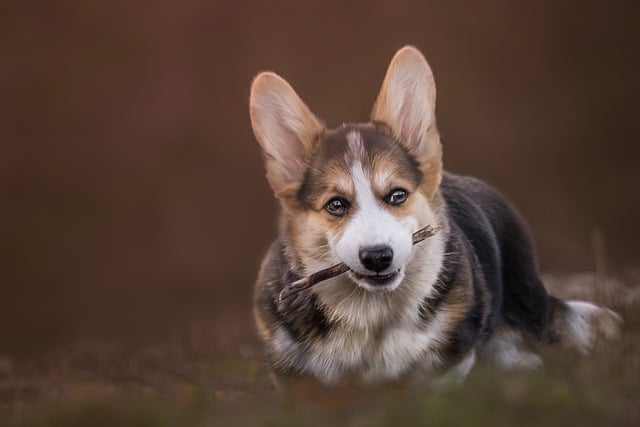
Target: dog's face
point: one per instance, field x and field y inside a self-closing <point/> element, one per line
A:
<point x="357" y="193"/>
<point x="359" y="203"/>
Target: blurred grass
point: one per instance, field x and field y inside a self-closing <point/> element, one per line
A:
<point x="185" y="381"/>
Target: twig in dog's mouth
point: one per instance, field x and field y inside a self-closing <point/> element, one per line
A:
<point x="338" y="269"/>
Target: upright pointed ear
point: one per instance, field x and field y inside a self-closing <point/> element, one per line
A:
<point x="286" y="130"/>
<point x="407" y="104"/>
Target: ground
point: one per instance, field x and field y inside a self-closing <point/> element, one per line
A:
<point x="197" y="378"/>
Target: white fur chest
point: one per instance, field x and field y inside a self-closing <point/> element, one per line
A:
<point x="375" y="336"/>
<point x="368" y="355"/>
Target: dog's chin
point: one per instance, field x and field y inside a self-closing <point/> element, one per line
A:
<point x="378" y="282"/>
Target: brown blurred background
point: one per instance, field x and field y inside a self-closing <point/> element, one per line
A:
<point x="132" y="193"/>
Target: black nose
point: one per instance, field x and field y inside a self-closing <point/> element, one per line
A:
<point x="376" y="258"/>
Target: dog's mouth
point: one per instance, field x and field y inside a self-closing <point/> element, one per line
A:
<point x="376" y="281"/>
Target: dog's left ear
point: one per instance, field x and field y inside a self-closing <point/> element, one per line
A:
<point x="407" y="104"/>
<point x="286" y="130"/>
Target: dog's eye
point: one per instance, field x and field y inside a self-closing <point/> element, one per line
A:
<point x="396" y="197"/>
<point x="337" y="206"/>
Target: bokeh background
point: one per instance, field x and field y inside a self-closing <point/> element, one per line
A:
<point x="132" y="192"/>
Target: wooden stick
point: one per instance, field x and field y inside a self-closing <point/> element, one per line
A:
<point x="338" y="269"/>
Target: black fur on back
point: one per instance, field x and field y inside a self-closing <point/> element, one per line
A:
<point x="503" y="251"/>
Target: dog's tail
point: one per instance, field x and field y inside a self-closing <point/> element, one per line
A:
<point x="579" y="324"/>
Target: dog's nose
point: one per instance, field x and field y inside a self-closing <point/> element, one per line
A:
<point x="376" y="258"/>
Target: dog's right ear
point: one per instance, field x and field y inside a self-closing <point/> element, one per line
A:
<point x="407" y="104"/>
<point x="286" y="130"/>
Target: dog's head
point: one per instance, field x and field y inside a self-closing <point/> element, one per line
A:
<point x="354" y="194"/>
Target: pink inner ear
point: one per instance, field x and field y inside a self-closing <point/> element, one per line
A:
<point x="407" y="101"/>
<point x="285" y="148"/>
<point x="411" y="131"/>
<point x="288" y="156"/>
<point x="284" y="126"/>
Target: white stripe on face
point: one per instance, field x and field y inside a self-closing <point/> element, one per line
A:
<point x="356" y="147"/>
<point x="371" y="224"/>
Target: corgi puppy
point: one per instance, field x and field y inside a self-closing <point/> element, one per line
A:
<point x="355" y="195"/>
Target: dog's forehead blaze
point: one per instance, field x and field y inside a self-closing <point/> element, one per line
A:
<point x="387" y="162"/>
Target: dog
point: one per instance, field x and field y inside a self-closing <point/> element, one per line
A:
<point x="355" y="194"/>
